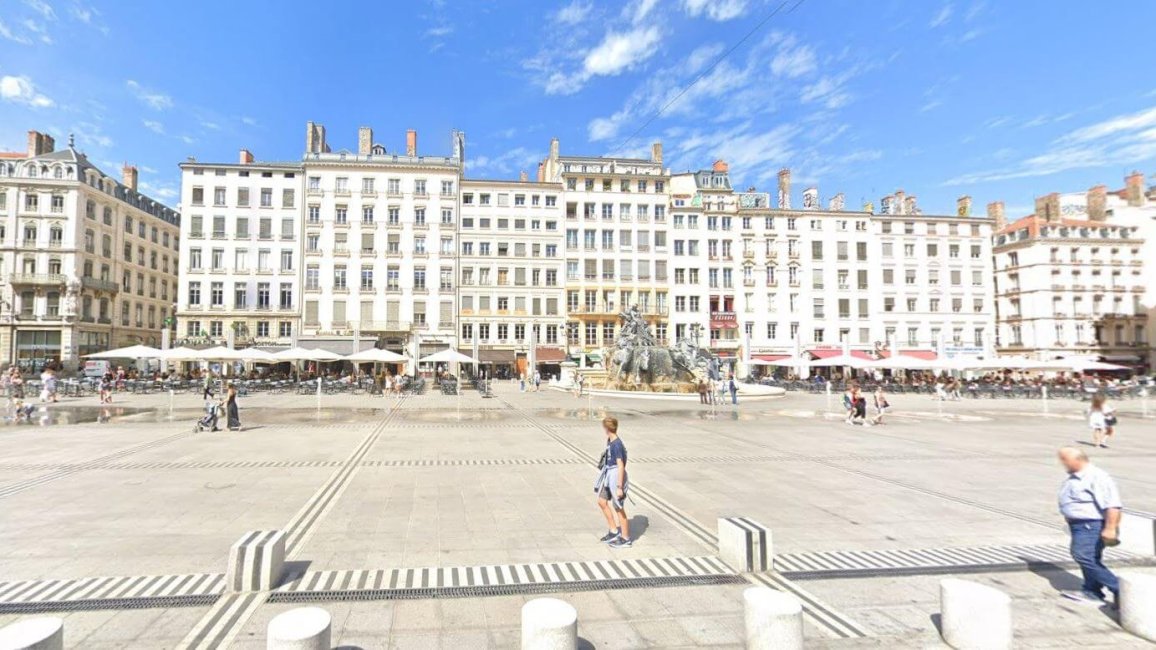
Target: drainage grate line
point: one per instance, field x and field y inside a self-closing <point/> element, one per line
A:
<point x="45" y="607"/>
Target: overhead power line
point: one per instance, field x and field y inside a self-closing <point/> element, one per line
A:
<point x="702" y="75"/>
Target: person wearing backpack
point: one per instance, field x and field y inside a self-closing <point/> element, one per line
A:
<point x="612" y="485"/>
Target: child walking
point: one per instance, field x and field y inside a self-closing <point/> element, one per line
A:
<point x="611" y="487"/>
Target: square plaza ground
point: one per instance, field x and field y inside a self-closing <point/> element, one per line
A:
<point x="367" y="484"/>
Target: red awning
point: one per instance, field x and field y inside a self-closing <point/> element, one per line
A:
<point x="545" y="354"/>
<point x="827" y="353"/>
<point x="769" y="357"/>
<point x="926" y="355"/>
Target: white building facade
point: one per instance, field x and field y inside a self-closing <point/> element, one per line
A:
<point x="511" y="291"/>
<point x="240" y="276"/>
<point x="87" y="262"/>
<point x="1073" y="279"/>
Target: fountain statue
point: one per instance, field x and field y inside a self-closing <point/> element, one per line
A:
<point x="639" y="362"/>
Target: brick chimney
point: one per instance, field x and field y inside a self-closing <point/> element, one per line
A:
<point x="315" y="138"/>
<point x="1098" y="203"/>
<point x="542" y="172"/>
<point x="720" y="166"/>
<point x="656" y="152"/>
<point x="1134" y="189"/>
<point x="1048" y="207"/>
<point x="246" y="157"/>
<point x="785" y="189"/>
<point x="364" y="141"/>
<point x="411" y="143"/>
<point x="995" y="211"/>
<point x="963" y="206"/>
<point x="523" y="177"/>
<point x="130" y="176"/>
<point x="42" y="143"/>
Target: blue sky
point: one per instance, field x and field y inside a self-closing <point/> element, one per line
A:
<point x="999" y="100"/>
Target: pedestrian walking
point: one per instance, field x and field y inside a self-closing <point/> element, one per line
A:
<point x="537" y="381"/>
<point x="733" y="387"/>
<point x="1090" y="503"/>
<point x="48" y="385"/>
<point x="882" y="406"/>
<point x="611" y="487"/>
<point x="702" y="392"/>
<point x="1097" y="421"/>
<point x="207" y="386"/>
<point x="1110" y="419"/>
<point x="232" y="412"/>
<point x="106" y="388"/>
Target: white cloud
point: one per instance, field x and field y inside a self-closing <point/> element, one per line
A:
<point x="40" y="30"/>
<point x="930" y="105"/>
<point x="942" y="17"/>
<point x="154" y="126"/>
<point x="147" y="170"/>
<point x="83" y="14"/>
<point x="719" y="10"/>
<point x="640" y="10"/>
<point x="1114" y="142"/>
<point x="212" y="126"/>
<point x="158" y="191"/>
<point x="43" y="8"/>
<point x="88" y="133"/>
<point x="622" y="51"/>
<point x="20" y="90"/>
<point x="187" y="139"/>
<point x="508" y="163"/>
<point x="248" y="121"/>
<point x="6" y="32"/>
<point x="829" y="90"/>
<point x="791" y="62"/>
<point x="439" y="31"/>
<point x="154" y="100"/>
<point x="573" y="13"/>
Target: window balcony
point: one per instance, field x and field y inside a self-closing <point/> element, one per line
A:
<point x="37" y="279"/>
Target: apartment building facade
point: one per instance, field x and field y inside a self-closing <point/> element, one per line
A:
<point x="240" y="252"/>
<point x="88" y="263"/>
<point x="511" y="292"/>
<point x="616" y="243"/>
<point x="380" y="243"/>
<point x="1072" y="279"/>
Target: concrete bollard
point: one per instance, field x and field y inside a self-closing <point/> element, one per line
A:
<point x="773" y="619"/>
<point x="303" y="628"/>
<point x="256" y="561"/>
<point x="1138" y="534"/>
<point x="549" y="624"/>
<point x="33" y="634"/>
<point x="974" y="616"/>
<point x="1138" y="604"/>
<point x="745" y="544"/>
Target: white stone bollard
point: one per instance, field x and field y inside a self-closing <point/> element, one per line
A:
<point x="303" y="628"/>
<point x="1138" y="604"/>
<point x="745" y="544"/>
<point x="773" y="619"/>
<point x="33" y="634"/>
<point x="1137" y="534"/>
<point x="549" y="624"/>
<point x="256" y="561"/>
<point x="974" y="616"/>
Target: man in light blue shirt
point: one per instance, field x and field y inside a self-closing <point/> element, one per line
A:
<point x="1090" y="502"/>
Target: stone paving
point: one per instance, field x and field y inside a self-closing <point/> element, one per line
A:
<point x="367" y="484"/>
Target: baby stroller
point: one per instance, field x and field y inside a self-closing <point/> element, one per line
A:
<point x="209" y="420"/>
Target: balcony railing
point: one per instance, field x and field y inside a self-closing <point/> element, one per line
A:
<point x="41" y="279"/>
<point x="99" y="285"/>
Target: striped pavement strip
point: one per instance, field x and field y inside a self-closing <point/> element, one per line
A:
<point x="915" y="561"/>
<point x="556" y="573"/>
<point x="223" y="621"/>
<point x="107" y="588"/>
<point x="95" y="463"/>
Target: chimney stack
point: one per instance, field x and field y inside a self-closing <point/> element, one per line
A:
<point x="910" y="205"/>
<point x="315" y="138"/>
<point x="246" y="157"/>
<point x="995" y="211"/>
<point x="656" y="152"/>
<point x="1098" y="203"/>
<point x="1048" y="207"/>
<point x="900" y="205"/>
<point x="42" y="143"/>
<point x="364" y="141"/>
<point x="411" y="143"/>
<point x="784" y="189"/>
<point x="1134" y="189"/>
<point x="720" y="165"/>
<point x="541" y="172"/>
<point x="523" y="177"/>
<point x="553" y="148"/>
<point x="130" y="176"/>
<point x="963" y="206"/>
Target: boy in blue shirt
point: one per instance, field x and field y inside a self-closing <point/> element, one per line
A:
<point x="612" y="485"/>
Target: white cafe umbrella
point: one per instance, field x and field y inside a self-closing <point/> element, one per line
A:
<point x="1091" y="365"/>
<point x="376" y="355"/>
<point x="1019" y="363"/>
<point x="840" y="360"/>
<point x="131" y="352"/>
<point x="180" y="354"/>
<point x="322" y="355"/>
<point x="899" y="362"/>
<point x="222" y="353"/>
<point x="260" y="356"/>
<point x="303" y="354"/>
<point x="449" y="355"/>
